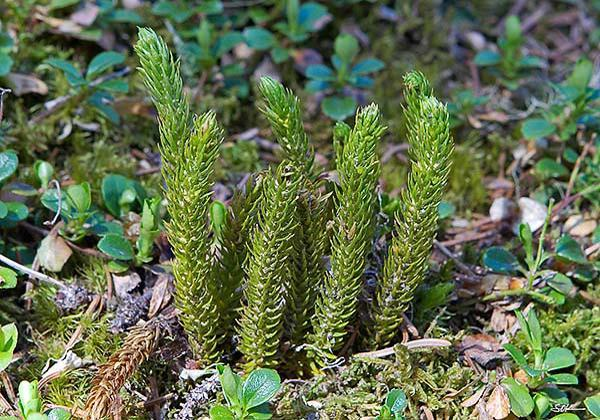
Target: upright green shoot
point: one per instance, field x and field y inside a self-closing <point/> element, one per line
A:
<point x="416" y="222"/>
<point x="189" y="148"/>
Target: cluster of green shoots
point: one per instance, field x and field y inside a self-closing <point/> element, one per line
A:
<point x="282" y="266"/>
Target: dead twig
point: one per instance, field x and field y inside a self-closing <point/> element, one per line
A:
<point x="410" y="345"/>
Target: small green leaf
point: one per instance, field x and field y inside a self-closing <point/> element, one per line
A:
<point x="487" y="58"/>
<point x="43" y="171"/>
<point x="558" y="358"/>
<point x="220" y="412"/>
<point x="549" y="168"/>
<point x="542" y="405"/>
<point x="581" y="75"/>
<point x="566" y="416"/>
<point x="446" y="209"/>
<point x="339" y="107"/>
<point x="516" y="354"/>
<point x="526" y="237"/>
<point x="500" y="260"/>
<point x="9" y="163"/>
<point x="259" y="38"/>
<point x="593" y="405"/>
<point x="8" y="278"/>
<point x="8" y="342"/>
<point x="535" y="128"/>
<point x="320" y="72"/>
<point x="562" y="379"/>
<point x="71" y="73"/>
<point x="369" y="65"/>
<point x="116" y="246"/>
<point x="561" y="283"/>
<point x="58" y="414"/>
<point x="6" y="63"/>
<point x="103" y="62"/>
<point x="346" y="47"/>
<point x="231" y="383"/>
<point x="396" y="401"/>
<point x="260" y="386"/>
<point x="521" y="402"/>
<point x="80" y="196"/>
<point x="568" y="249"/>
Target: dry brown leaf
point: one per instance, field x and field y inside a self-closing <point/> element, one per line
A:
<point x="498" y="405"/>
<point x="53" y="252"/>
<point x="22" y="84"/>
<point x="161" y="294"/>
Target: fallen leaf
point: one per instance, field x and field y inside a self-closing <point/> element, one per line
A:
<point x="498" y="405"/>
<point x="53" y="252"/>
<point x="86" y="15"/>
<point x="161" y="294"/>
<point x="125" y="284"/>
<point x="22" y="84"/>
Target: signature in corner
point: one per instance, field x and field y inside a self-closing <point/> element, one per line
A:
<point x="563" y="408"/>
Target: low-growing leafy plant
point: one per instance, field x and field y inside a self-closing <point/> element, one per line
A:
<point x="11" y="212"/>
<point x="557" y="285"/>
<point x="205" y="54"/>
<point x="248" y="398"/>
<point x="464" y="103"/>
<point x="301" y="20"/>
<point x="574" y="104"/>
<point x="541" y="367"/>
<point x="509" y="63"/>
<point x="395" y="404"/>
<point x="338" y="81"/>
<point x="95" y="88"/>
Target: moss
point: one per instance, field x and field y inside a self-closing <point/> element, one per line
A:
<point x="433" y="379"/>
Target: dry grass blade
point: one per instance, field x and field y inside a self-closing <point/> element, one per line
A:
<point x="139" y="345"/>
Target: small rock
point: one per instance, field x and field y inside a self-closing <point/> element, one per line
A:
<point x="532" y="213"/>
<point x="501" y="209"/>
<point x="476" y="40"/>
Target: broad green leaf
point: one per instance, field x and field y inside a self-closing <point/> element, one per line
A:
<point x="339" y="107"/>
<point x="103" y="62"/>
<point x="561" y="283"/>
<point x="231" y="384"/>
<point x="80" y="196"/>
<point x="369" y="65"/>
<point x="562" y="379"/>
<point x="220" y="412"/>
<point x="558" y="358"/>
<point x="3" y="210"/>
<point x="60" y="4"/>
<point x="566" y="416"/>
<point x="44" y="172"/>
<point x="310" y="13"/>
<point x="516" y="354"/>
<point x="6" y="63"/>
<point x="346" y="47"/>
<point x="568" y="249"/>
<point x="593" y="405"/>
<point x="396" y="401"/>
<point x="549" y="168"/>
<point x="16" y="213"/>
<point x="536" y="128"/>
<point x="535" y="330"/>
<point x="116" y="246"/>
<point x="487" y="58"/>
<point x="58" y="414"/>
<point x="581" y="75"/>
<point x="113" y="187"/>
<point x="521" y="403"/>
<point x="9" y="163"/>
<point x="446" y="209"/>
<point x="8" y="343"/>
<point x="73" y="75"/>
<point x="260" y="386"/>
<point x="280" y="54"/>
<point x="513" y="29"/>
<point x="8" y="278"/>
<point x="259" y="38"/>
<point x="500" y="260"/>
<point x="320" y="72"/>
<point x="542" y="405"/>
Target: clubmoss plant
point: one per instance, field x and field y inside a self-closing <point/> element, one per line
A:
<point x="416" y="222"/>
<point x="354" y="220"/>
<point x="258" y="268"/>
<point x="189" y="147"/>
